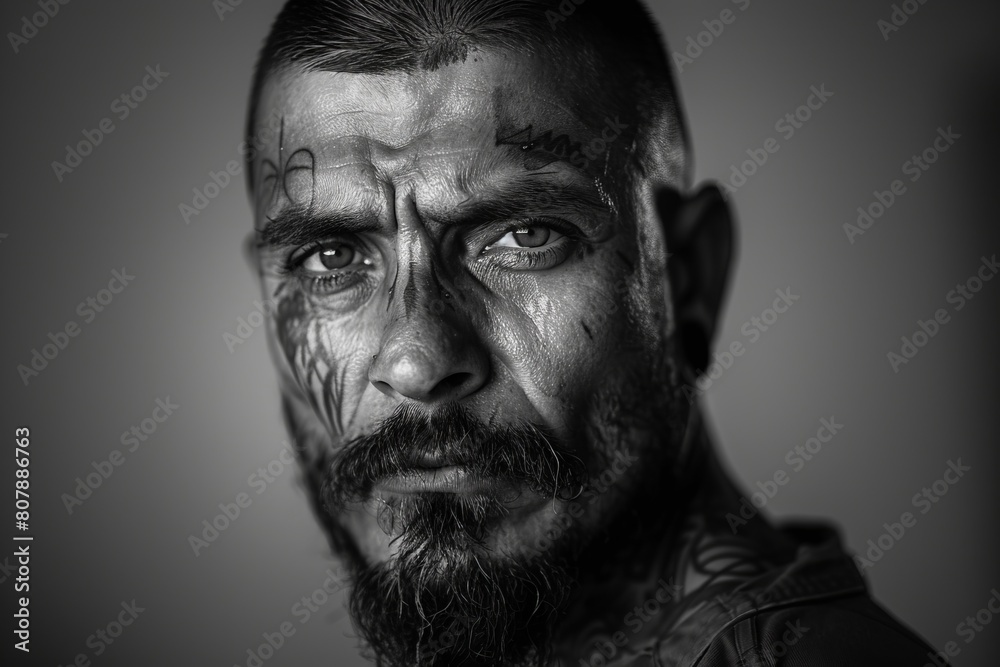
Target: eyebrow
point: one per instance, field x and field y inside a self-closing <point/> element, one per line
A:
<point x="298" y="225"/>
<point x="520" y="198"/>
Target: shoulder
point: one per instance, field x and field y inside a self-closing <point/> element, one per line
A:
<point x="852" y="631"/>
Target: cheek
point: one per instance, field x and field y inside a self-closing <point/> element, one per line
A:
<point x="559" y="329"/>
<point x="326" y="357"/>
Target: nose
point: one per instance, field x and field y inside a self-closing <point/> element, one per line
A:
<point x="430" y="352"/>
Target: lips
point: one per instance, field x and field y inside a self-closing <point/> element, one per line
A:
<point x="445" y="479"/>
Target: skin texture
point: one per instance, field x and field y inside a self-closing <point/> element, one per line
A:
<point x="433" y="318"/>
<point x="489" y="250"/>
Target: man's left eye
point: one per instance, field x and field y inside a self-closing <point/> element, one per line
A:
<point x="533" y="236"/>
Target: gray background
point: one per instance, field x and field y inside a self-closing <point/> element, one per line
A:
<point x="163" y="335"/>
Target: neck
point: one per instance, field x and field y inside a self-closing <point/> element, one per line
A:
<point x="676" y="542"/>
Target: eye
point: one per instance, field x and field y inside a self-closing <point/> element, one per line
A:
<point x="532" y="245"/>
<point x="333" y="256"/>
<point x="335" y="266"/>
<point x="529" y="236"/>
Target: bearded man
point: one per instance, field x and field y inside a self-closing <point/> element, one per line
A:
<point x="494" y="289"/>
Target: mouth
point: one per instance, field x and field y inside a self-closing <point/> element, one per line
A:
<point x="445" y="479"/>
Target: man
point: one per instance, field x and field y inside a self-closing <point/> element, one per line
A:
<point x="493" y="283"/>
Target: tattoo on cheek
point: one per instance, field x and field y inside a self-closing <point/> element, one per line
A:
<point x="305" y="342"/>
<point x="289" y="179"/>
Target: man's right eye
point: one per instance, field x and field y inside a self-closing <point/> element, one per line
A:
<point x="328" y="267"/>
<point x="333" y="256"/>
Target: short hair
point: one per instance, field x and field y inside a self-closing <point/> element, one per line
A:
<point x="599" y="37"/>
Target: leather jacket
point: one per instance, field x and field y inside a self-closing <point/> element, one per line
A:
<point x="815" y="611"/>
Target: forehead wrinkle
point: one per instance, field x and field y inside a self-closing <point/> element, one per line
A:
<point x="484" y="167"/>
<point x="399" y="98"/>
<point x="371" y="94"/>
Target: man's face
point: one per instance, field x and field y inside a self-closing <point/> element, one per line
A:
<point x="471" y="321"/>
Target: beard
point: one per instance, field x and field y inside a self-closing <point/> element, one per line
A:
<point x="442" y="601"/>
<point x="446" y="597"/>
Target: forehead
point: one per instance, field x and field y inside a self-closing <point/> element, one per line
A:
<point x="468" y="114"/>
<point x="397" y="105"/>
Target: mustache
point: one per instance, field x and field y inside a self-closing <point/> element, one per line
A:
<point x="519" y="454"/>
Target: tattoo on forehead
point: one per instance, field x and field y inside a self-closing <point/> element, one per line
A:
<point x="542" y="149"/>
<point x="290" y="179"/>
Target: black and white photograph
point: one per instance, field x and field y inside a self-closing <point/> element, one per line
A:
<point x="516" y="333"/>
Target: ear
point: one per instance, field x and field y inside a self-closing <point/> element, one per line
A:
<point x="699" y="234"/>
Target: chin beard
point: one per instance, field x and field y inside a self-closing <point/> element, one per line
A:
<point x="446" y="599"/>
